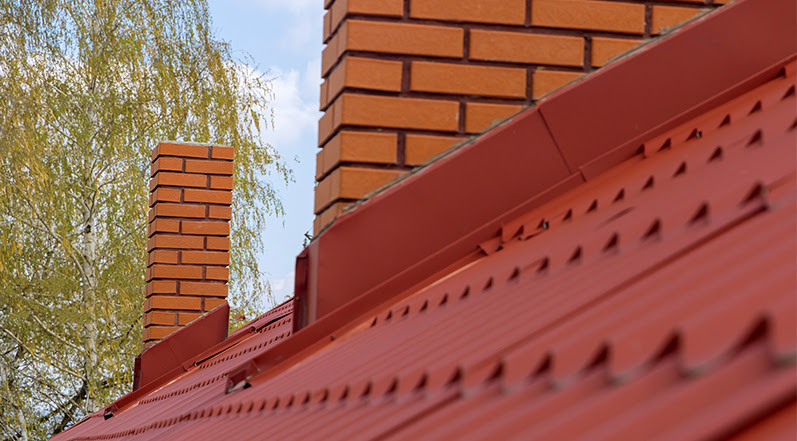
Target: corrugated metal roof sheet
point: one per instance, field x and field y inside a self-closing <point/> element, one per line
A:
<point x="656" y="301"/>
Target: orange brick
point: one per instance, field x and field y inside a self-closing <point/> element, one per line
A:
<point x="468" y="80"/>
<point x="327" y="26"/>
<point x="161" y="287"/>
<point x="222" y="152"/>
<point x="158" y="332"/>
<point x="159" y="318"/>
<point x="393" y="38"/>
<point x="175" y="241"/>
<point x="419" y="148"/>
<point x="164" y="195"/>
<point x="172" y="179"/>
<point x="221" y="182"/>
<point x="164" y="226"/>
<point x="166" y="209"/>
<point x="217" y="243"/>
<point x="327" y="216"/>
<point x="213" y="303"/>
<point x="172" y="303"/>
<point x="670" y="16"/>
<point x="162" y="256"/>
<point x="209" y="167"/>
<point x="604" y="49"/>
<point x="213" y="289"/>
<point x="323" y="95"/>
<point x="522" y="47"/>
<point x="326" y="123"/>
<point x="207" y="196"/>
<point x="219" y="212"/>
<point x="208" y="228"/>
<point x="206" y="257"/>
<point x="351" y="183"/>
<point x="364" y="73"/>
<point x="546" y="81"/>
<point x="185" y="318"/>
<point x="480" y="116"/>
<point x="481" y="11"/>
<point x="339" y="10"/>
<point x="181" y="150"/>
<point x="409" y="113"/>
<point x="166" y="164"/>
<point x="589" y="14"/>
<point x="217" y="273"/>
<point x="175" y="272"/>
<point x="378" y="148"/>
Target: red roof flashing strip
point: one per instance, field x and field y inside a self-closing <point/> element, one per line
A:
<point x="439" y="215"/>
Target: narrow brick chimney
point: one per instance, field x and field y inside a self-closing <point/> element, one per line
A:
<point x="188" y="246"/>
<point x="406" y="79"/>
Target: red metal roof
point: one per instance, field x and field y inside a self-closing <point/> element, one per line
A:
<point x="654" y="301"/>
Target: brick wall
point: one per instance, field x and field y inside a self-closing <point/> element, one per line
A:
<point x="188" y="246"/>
<point x="405" y="79"/>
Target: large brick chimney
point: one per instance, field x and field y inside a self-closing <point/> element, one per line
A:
<point x="406" y="79"/>
<point x="188" y="246"/>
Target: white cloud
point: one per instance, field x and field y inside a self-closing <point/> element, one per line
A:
<point x="282" y="287"/>
<point x="295" y="106"/>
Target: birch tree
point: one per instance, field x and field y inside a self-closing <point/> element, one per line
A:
<point x="87" y="88"/>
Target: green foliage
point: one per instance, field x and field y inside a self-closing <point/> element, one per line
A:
<point x="87" y="89"/>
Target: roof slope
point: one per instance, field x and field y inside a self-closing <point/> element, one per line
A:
<point x="662" y="291"/>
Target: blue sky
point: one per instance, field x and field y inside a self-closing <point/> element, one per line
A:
<point x="284" y="39"/>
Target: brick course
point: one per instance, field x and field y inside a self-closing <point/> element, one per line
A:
<point x="406" y="79"/>
<point x="190" y="205"/>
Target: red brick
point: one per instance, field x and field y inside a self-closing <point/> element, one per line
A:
<point x="217" y="273"/>
<point x="468" y="80"/>
<point x="181" y="150"/>
<point x="546" y="81"/>
<point x="162" y="256"/>
<point x="161" y="287"/>
<point x="166" y="164"/>
<point x="175" y="241"/>
<point x="164" y="226"/>
<point x="669" y="16"/>
<point x="520" y="47"/>
<point x="171" y="179"/>
<point x="351" y="183"/>
<point x="218" y="243"/>
<point x="604" y="49"/>
<point x="362" y="147"/>
<point x="589" y="14"/>
<point x="158" y="332"/>
<point x="166" y="209"/>
<point x="219" y="212"/>
<point x="480" y="116"/>
<point x="339" y="10"/>
<point x="327" y="26"/>
<point x="209" y="167"/>
<point x="480" y="11"/>
<point x="185" y="318"/>
<point x="164" y="195"/>
<point x="172" y="303"/>
<point x="175" y="272"/>
<point x="207" y="196"/>
<point x="221" y="182"/>
<point x="211" y="304"/>
<point x="419" y="148"/>
<point x="363" y="73"/>
<point x="203" y="289"/>
<point x="208" y="228"/>
<point x="206" y="257"/>
<point x="222" y="152"/>
<point x="408" y="113"/>
<point x="159" y="318"/>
